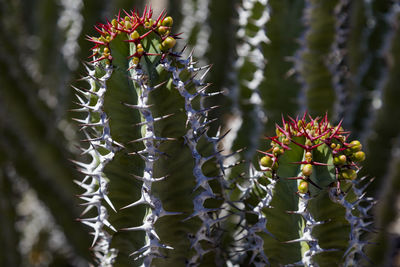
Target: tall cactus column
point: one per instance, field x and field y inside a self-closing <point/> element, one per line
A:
<point x="147" y="128"/>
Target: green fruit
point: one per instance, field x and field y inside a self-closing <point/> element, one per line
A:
<point x="308" y="142"/>
<point x="339" y="160"/>
<point x="135" y="35"/>
<point x="303" y="187"/>
<point x="278" y="151"/>
<point x="348" y="174"/>
<point x="135" y="60"/>
<point x="168" y="43"/>
<point x="168" y="21"/>
<point x="266" y="161"/>
<point x="163" y="30"/>
<point x="139" y="49"/>
<point x="355" y="146"/>
<point x="307" y="170"/>
<point x="359" y="156"/>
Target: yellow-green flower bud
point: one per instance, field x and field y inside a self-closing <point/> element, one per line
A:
<point x="266" y="162"/>
<point x="348" y="174"/>
<point x="135" y="60"/>
<point x="355" y="146"/>
<point x="114" y="23"/>
<point x="339" y="160"/>
<point x="307" y="170"/>
<point x="359" y="156"/>
<point x="135" y="35"/>
<point x="303" y="187"/>
<point x="163" y="30"/>
<point x="168" y="43"/>
<point x="277" y="151"/>
<point x="168" y="21"/>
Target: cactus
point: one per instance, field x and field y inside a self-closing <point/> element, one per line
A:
<point x="309" y="168"/>
<point x="146" y="118"/>
<point x="142" y="96"/>
<point x="160" y="178"/>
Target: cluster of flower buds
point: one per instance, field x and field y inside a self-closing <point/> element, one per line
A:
<point x="312" y="134"/>
<point x="134" y="28"/>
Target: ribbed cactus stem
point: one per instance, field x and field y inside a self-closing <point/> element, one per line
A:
<point x="389" y="42"/>
<point x="249" y="69"/>
<point x="95" y="182"/>
<point x="297" y="57"/>
<point x="360" y="50"/>
<point x="197" y="122"/>
<point x="337" y="57"/>
<point x="104" y="254"/>
<point x="195" y="27"/>
<point x="256" y="244"/>
<point x="357" y="214"/>
<point x="317" y="94"/>
<point x="308" y="156"/>
<point x="310" y="223"/>
<point x="149" y="154"/>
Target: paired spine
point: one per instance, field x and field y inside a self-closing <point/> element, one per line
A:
<point x="97" y="130"/>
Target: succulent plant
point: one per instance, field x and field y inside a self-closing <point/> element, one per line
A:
<point x="146" y="121"/>
<point x="155" y="183"/>
<point x="310" y="168"/>
<point x="160" y="176"/>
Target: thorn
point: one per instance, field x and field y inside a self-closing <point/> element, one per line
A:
<point x="149" y="179"/>
<point x="206" y="72"/>
<point x="201" y="90"/>
<point x="136" y="106"/>
<point x="159" y="85"/>
<point x="83" y="90"/>
<point x="266" y="153"/>
<point x="154" y="120"/>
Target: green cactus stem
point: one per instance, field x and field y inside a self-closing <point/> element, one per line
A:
<point x="195" y="27"/>
<point x="280" y="86"/>
<point x="141" y="91"/>
<point x="249" y="68"/>
<point x="337" y="60"/>
<point x="311" y="164"/>
<point x="317" y="93"/>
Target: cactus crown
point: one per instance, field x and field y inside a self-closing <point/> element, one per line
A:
<point x="147" y="36"/>
<point x="321" y="146"/>
<point x="309" y="157"/>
